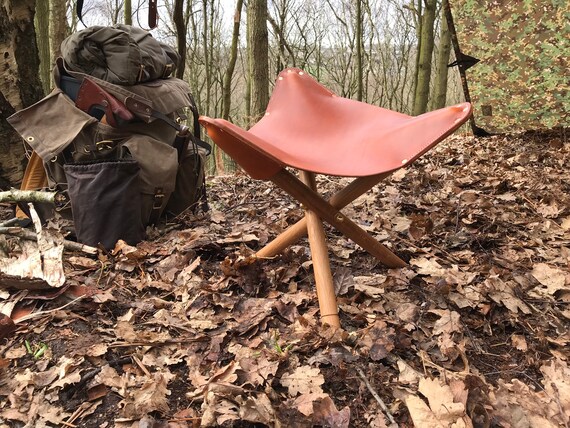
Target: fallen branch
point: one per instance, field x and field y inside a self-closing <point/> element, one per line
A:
<point x="14" y="195"/>
<point x="31" y="236"/>
<point x="376" y="396"/>
<point x="42" y="313"/>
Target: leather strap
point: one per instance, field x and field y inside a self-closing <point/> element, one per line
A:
<point x="152" y="13"/>
<point x="79" y="11"/>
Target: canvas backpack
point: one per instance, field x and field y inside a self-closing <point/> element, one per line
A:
<point x="123" y="176"/>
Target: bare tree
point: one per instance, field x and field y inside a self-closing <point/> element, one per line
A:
<point x="440" y="90"/>
<point x="41" y="21"/>
<point x="58" y="29"/>
<point x="20" y="84"/>
<point x="423" y="71"/>
<point x="258" y="48"/>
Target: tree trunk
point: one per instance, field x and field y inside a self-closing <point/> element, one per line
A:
<point x="258" y="50"/>
<point x="181" y="28"/>
<point x="419" y="22"/>
<point x="19" y="83"/>
<point x="227" y="95"/>
<point x="42" y="33"/>
<point x="424" y="66"/>
<point x="440" y="91"/>
<point x="207" y="52"/>
<point x="58" y="27"/>
<point x="128" y="12"/>
<point x="359" y="41"/>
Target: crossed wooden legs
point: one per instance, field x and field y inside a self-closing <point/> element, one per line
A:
<point x="316" y="208"/>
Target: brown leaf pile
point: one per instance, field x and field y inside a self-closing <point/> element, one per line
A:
<point x="187" y="330"/>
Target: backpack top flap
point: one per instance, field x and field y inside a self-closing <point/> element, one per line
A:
<point x="120" y="54"/>
<point x="165" y="95"/>
<point x="51" y="124"/>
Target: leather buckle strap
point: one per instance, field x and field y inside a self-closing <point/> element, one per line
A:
<point x="157" y="203"/>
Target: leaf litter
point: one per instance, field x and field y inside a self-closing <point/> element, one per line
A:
<point x="187" y="330"/>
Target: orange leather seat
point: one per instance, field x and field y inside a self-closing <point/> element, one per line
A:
<point x="309" y="128"/>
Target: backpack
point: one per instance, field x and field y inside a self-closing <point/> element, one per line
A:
<point x="118" y="153"/>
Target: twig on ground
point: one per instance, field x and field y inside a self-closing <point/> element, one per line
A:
<point x="31" y="236"/>
<point x="41" y="313"/>
<point x="10" y="222"/>
<point x="376" y="396"/>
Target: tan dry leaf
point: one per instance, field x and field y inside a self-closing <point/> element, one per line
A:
<point x="566" y="223"/>
<point x="256" y="409"/>
<point x="407" y="312"/>
<point x="517" y="405"/>
<point x="108" y="376"/>
<point x="304" y="380"/>
<point x="408" y="375"/>
<point x="552" y="278"/>
<point x="238" y="237"/>
<point x="449" y="322"/>
<point x="428" y="267"/>
<point x="557" y="386"/>
<point x="225" y="375"/>
<point x="370" y="285"/>
<point x="441" y="400"/>
<point x="327" y="415"/>
<point x="401" y="224"/>
<point x="549" y="210"/>
<point x="256" y="371"/>
<point x="519" y="342"/>
<point x="220" y="404"/>
<point x="502" y="292"/>
<point x="304" y="403"/>
<point x="446" y="405"/>
<point x="421" y="414"/>
<point x="150" y="397"/>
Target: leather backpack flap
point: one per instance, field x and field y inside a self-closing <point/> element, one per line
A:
<point x="158" y="163"/>
<point x="119" y="54"/>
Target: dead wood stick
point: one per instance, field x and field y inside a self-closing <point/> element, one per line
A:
<point x="376" y="396"/>
<point x="31" y="236"/>
<point x="42" y="313"/>
<point x="15" y="195"/>
<point x="10" y="222"/>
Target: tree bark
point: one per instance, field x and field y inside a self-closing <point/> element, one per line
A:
<point x="227" y="87"/>
<point x="58" y="27"/>
<point x="207" y="56"/>
<point x="424" y="66"/>
<point x="42" y="32"/>
<point x="232" y="63"/>
<point x="181" y="27"/>
<point x="258" y="48"/>
<point x="19" y="83"/>
<point x="359" y="42"/>
<point x="440" y="90"/>
<point x="128" y="12"/>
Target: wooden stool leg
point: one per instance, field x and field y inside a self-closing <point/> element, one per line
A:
<point x="321" y="263"/>
<point x="339" y="200"/>
<point x="312" y="200"/>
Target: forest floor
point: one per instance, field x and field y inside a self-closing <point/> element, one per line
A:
<point x="185" y="330"/>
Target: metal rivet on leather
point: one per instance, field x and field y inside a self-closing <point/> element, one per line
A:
<point x="30" y="139"/>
